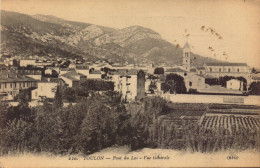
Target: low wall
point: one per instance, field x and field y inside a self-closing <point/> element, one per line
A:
<point x="221" y="99"/>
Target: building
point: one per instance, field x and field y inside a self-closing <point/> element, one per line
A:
<point x="186" y="57"/>
<point x="94" y="74"/>
<point x="227" y="69"/>
<point x="235" y="84"/>
<point x="131" y="83"/>
<point x="194" y="81"/>
<point x="82" y="69"/>
<point x="72" y="78"/>
<point x="46" y="89"/>
<point x="12" y="81"/>
<point x="26" y="62"/>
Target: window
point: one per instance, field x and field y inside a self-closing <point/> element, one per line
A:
<point x="219" y="69"/>
<point x="190" y="83"/>
<point x="5" y="85"/>
<point x="210" y="69"/>
<point x="27" y="84"/>
<point x="228" y="69"/>
<point x="238" y="70"/>
<point x="200" y="72"/>
<point x="14" y="85"/>
<point x="186" y="60"/>
<point x="0" y="85"/>
<point x="23" y="84"/>
<point x="11" y="85"/>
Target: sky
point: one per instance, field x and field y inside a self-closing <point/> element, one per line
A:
<point x="236" y="21"/>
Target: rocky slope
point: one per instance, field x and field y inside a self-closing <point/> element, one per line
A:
<point x="48" y="35"/>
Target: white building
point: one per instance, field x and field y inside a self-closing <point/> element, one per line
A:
<point x="235" y="84"/>
<point x="72" y="78"/>
<point x="227" y="69"/>
<point x="46" y="89"/>
<point x="131" y="83"/>
<point x="26" y="62"/>
<point x="83" y="69"/>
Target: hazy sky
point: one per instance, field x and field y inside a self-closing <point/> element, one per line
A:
<point x="237" y="21"/>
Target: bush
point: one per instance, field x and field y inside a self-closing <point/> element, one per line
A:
<point x="255" y="88"/>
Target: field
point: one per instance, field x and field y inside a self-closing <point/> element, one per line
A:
<point x="213" y="121"/>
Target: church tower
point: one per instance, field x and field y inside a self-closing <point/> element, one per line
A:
<point x="186" y="57"/>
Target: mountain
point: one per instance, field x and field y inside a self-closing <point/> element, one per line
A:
<point x="46" y="35"/>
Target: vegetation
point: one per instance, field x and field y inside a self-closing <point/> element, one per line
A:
<point x="255" y="88"/>
<point x="174" y="84"/>
<point x="159" y="71"/>
<point x="101" y="120"/>
<point x="223" y="81"/>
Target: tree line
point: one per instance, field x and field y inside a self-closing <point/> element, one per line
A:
<point x="102" y="120"/>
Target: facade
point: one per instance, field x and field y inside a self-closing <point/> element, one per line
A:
<point x="83" y="69"/>
<point x="11" y="82"/>
<point x="26" y="62"/>
<point x="235" y="84"/>
<point x="194" y="81"/>
<point x="46" y="89"/>
<point x="186" y="57"/>
<point x="130" y="83"/>
<point x="72" y="78"/>
<point x="227" y="69"/>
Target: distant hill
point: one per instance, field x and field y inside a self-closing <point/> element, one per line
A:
<point x="46" y="35"/>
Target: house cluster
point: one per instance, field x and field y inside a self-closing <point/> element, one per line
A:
<point x="195" y="77"/>
<point x="43" y="79"/>
<point x="43" y="75"/>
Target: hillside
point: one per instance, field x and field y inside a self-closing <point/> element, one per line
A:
<point x="46" y="35"/>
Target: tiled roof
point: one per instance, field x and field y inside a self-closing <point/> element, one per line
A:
<point x="71" y="75"/>
<point x="125" y="72"/>
<point x="226" y="64"/>
<point x="13" y="76"/>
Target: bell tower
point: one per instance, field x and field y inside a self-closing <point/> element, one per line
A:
<point x="186" y="57"/>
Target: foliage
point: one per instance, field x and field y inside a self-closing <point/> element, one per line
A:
<point x="103" y="120"/>
<point x="159" y="70"/>
<point x="223" y="81"/>
<point x="174" y="84"/>
<point x="255" y="88"/>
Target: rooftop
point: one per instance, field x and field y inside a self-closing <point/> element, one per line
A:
<point x="226" y="64"/>
<point x="72" y="75"/>
<point x="13" y="76"/>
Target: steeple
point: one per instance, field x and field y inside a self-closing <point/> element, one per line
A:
<point x="186" y="57"/>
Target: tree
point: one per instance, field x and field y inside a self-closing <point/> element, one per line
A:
<point x="69" y="94"/>
<point x="174" y="84"/>
<point x="57" y="103"/>
<point x="159" y="70"/>
<point x="255" y="88"/>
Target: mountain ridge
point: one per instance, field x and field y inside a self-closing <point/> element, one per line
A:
<point x="50" y="35"/>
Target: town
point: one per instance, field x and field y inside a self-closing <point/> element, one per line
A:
<point x="39" y="78"/>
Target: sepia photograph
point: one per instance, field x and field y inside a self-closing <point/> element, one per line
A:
<point x="129" y="83"/>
